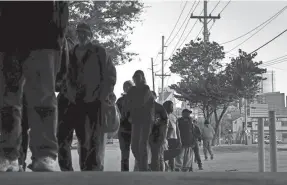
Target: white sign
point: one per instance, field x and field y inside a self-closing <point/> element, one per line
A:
<point x="259" y="111"/>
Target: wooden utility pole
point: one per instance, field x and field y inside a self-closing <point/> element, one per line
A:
<point x="162" y="75"/>
<point x="152" y="71"/>
<point x="205" y="21"/>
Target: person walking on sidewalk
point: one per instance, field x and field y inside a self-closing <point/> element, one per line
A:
<point x="173" y="134"/>
<point x="158" y="137"/>
<point x="141" y="107"/>
<point x="31" y="34"/>
<point x="124" y="133"/>
<point x="197" y="157"/>
<point x="207" y="136"/>
<point x="80" y="103"/>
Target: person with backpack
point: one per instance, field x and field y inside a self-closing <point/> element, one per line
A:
<point x="158" y="137"/>
<point x="124" y="133"/>
<point x="29" y="51"/>
<point x="207" y="136"/>
<point x="90" y="80"/>
<point x="141" y="107"/>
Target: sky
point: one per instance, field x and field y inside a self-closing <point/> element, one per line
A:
<point x="238" y="18"/>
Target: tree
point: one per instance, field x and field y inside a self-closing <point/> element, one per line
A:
<point x="202" y="83"/>
<point x="206" y="85"/>
<point x="111" y="23"/>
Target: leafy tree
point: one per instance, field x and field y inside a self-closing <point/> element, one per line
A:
<point x="111" y="23"/>
<point x="205" y="84"/>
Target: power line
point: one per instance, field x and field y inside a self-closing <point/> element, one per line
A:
<point x="255" y="27"/>
<point x="182" y="24"/>
<point x="215" y="7"/>
<point x="177" y="21"/>
<point x="269" y="41"/>
<point x="184" y="31"/>
<point x="274" y="60"/>
<point x="190" y="30"/>
<point x="220" y="13"/>
<point x="256" y="31"/>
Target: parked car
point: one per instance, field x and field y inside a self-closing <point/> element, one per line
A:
<point x="267" y="140"/>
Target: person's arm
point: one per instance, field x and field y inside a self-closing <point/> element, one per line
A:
<point x="109" y="77"/>
<point x="178" y="132"/>
<point x="164" y="116"/>
<point x="198" y="133"/>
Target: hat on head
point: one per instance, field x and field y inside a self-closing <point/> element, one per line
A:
<point x="84" y="27"/>
<point x="187" y="111"/>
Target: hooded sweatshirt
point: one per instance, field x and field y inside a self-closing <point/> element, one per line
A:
<point x="125" y="125"/>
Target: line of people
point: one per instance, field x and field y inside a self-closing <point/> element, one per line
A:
<point x="171" y="141"/>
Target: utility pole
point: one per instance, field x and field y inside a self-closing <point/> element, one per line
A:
<point x="162" y="75"/>
<point x="205" y="21"/>
<point x="152" y="71"/>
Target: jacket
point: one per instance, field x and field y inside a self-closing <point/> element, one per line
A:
<point x="98" y="75"/>
<point x="141" y="105"/>
<point x="189" y="132"/>
<point x="207" y="132"/>
<point x="32" y="25"/>
<point x="125" y="125"/>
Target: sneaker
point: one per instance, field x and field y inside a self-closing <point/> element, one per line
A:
<point x="8" y="166"/>
<point x="45" y="164"/>
<point x="200" y="168"/>
<point x="206" y="158"/>
<point x="211" y="157"/>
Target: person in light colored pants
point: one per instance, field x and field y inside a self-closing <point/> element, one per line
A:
<point x="183" y="162"/>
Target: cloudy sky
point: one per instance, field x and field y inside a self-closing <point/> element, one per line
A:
<point x="238" y="18"/>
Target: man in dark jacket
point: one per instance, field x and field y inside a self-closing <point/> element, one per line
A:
<point x="31" y="34"/>
<point x="189" y="137"/>
<point x="124" y="132"/>
<point x="90" y="80"/>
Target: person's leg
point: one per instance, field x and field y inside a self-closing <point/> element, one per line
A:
<point x="171" y="146"/>
<point x="83" y="133"/>
<point x="125" y="142"/>
<point x="135" y="142"/>
<point x="145" y="132"/>
<point x="188" y="159"/>
<point x="98" y="138"/>
<point x="205" y="145"/>
<point x="40" y="70"/>
<point x="179" y="160"/>
<point x="210" y="149"/>
<point x="197" y="156"/>
<point x="11" y="110"/>
<point x="25" y="137"/>
<point x="67" y="114"/>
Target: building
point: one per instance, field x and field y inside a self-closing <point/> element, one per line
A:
<point x="268" y="85"/>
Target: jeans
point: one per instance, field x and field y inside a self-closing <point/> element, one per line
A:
<point x="75" y="117"/>
<point x="36" y="70"/>
<point x="207" y="147"/>
<point x="125" y="145"/>
<point x="139" y="145"/>
<point x="197" y="155"/>
<point x="157" y="141"/>
<point x="172" y="144"/>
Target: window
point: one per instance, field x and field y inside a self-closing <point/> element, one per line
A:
<point x="266" y="123"/>
<point x="249" y="124"/>
<point x="284" y="123"/>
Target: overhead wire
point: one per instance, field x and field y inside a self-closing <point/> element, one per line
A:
<point x="239" y="37"/>
<point x="256" y="32"/>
